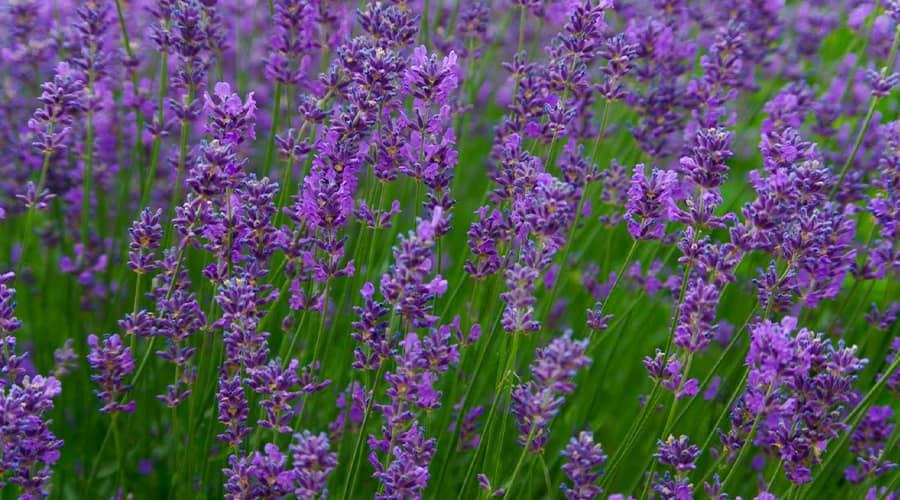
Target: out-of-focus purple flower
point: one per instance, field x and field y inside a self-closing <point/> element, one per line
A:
<point x="468" y="435"/>
<point x="868" y="443"/>
<point x="485" y="484"/>
<point x="313" y="461"/>
<point x="189" y="38"/>
<point x="296" y="33"/>
<point x="882" y="82"/>
<point x="64" y="360"/>
<point x="352" y="402"/>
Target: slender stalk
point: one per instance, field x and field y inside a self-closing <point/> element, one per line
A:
<point x="518" y="77"/>
<point x="465" y="399"/>
<point x="182" y="158"/>
<point x="321" y="333"/>
<point x="859" y="138"/>
<point x="120" y="464"/>
<point x="270" y="145"/>
<point x="630" y="436"/>
<point x="746" y="446"/>
<point x="852" y="421"/>
<point x="426" y="27"/>
<point x="29" y="217"/>
<point x="160" y="119"/>
<point x="87" y="182"/>
<point x="498" y="395"/>
<point x="351" y="476"/>
<point x="866" y="121"/>
<point x="95" y="466"/>
<point x="512" y="480"/>
<point x="617" y="280"/>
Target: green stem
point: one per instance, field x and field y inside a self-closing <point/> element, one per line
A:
<point x="622" y="269"/>
<point x="351" y="476"/>
<point x="859" y="138"/>
<point x="160" y="118"/>
<point x="29" y="218"/>
<point x="95" y="466"/>
<point x="88" y="170"/>
<point x="425" y="28"/>
<point x="120" y="464"/>
<point x="868" y="119"/>
<point x="498" y="395"/>
<point x="270" y="146"/>
<point x="512" y="480"/>
<point x="321" y="333"/>
<point x="465" y="401"/>
<point x="746" y="446"/>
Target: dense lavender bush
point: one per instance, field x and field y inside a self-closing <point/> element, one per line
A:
<point x="425" y="249"/>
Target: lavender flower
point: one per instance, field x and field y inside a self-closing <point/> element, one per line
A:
<point x="677" y="453"/>
<point x="233" y="410"/>
<point x="145" y="235"/>
<point x="799" y="385"/>
<point x="112" y="362"/>
<point x="650" y="202"/>
<point x="404" y="285"/>
<point x="312" y="463"/>
<point x="868" y="444"/>
<point x="62" y="101"/>
<point x="29" y="448"/>
<point x="584" y="458"/>
<point x="536" y="402"/>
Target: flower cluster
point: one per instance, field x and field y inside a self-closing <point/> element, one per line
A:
<point x="798" y="390"/>
<point x="536" y="402"/>
<point x="334" y="244"/>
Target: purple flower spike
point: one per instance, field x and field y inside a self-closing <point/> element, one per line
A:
<point x="678" y="453"/>
<point x="536" y="402"/>
<point x="313" y="462"/>
<point x="145" y="235"/>
<point x="584" y="459"/>
<point x="112" y="361"/>
<point x="650" y="202"/>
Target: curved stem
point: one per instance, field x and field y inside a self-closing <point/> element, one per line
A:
<point x="351" y="476"/>
<point x="270" y="145"/>
<point x="512" y="480"/>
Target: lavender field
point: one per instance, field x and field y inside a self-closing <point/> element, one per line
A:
<point x="264" y="249"/>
